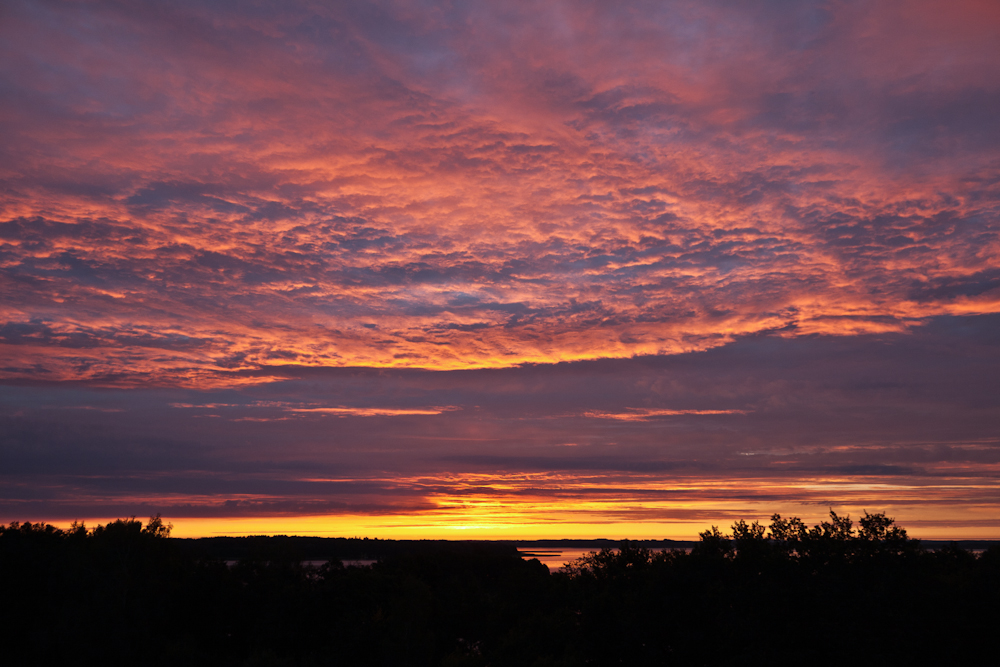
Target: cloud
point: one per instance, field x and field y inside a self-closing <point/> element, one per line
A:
<point x="374" y="412"/>
<point x="240" y="191"/>
<point x="645" y="414"/>
<point x="313" y="409"/>
<point x="903" y="422"/>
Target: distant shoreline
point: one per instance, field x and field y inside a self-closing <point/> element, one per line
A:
<point x="307" y="548"/>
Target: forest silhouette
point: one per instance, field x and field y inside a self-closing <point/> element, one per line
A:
<point x="126" y="593"/>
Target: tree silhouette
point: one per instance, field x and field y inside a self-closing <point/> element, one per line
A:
<point x="743" y="593"/>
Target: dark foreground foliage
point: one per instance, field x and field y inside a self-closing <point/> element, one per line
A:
<point x="126" y="594"/>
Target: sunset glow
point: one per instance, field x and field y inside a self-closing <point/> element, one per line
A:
<point x="500" y="269"/>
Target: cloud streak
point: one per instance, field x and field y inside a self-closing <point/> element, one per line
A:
<point x="645" y="414"/>
<point x="374" y="412"/>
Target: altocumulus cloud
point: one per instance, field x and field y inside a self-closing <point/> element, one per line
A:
<point x="489" y="185"/>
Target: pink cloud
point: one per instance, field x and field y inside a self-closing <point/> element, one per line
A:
<point x="192" y="193"/>
<point x="646" y="414"/>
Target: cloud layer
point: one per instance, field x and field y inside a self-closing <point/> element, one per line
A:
<point x="904" y="423"/>
<point x="191" y="189"/>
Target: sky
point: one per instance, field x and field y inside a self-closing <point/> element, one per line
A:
<point x="500" y="269"/>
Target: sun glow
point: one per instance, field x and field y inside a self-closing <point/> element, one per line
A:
<point x="545" y="505"/>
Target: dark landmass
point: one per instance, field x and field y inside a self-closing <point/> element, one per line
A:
<point x="330" y="548"/>
<point x="968" y="545"/>
<point x="127" y="594"/>
<point x="361" y="549"/>
<point x="355" y="548"/>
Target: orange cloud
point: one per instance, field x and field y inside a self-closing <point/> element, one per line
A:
<point x="645" y="414"/>
<point x="271" y="208"/>
<point x="375" y="412"/>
